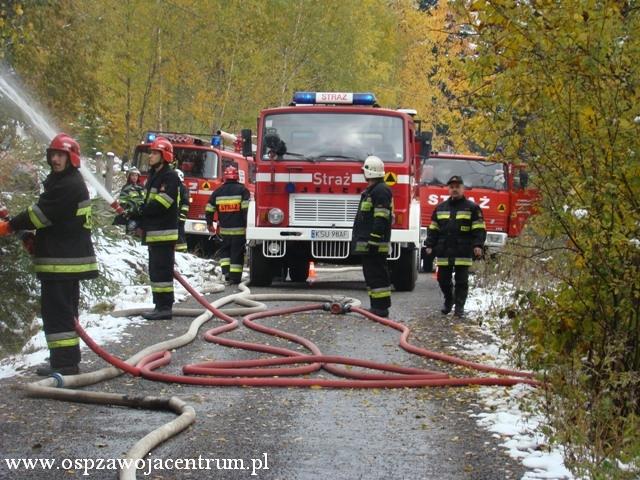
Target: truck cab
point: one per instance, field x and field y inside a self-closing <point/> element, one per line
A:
<point x="309" y="181"/>
<point x="202" y="158"/>
<point x="501" y="190"/>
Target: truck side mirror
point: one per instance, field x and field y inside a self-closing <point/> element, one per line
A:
<point x="524" y="179"/>
<point x="247" y="150"/>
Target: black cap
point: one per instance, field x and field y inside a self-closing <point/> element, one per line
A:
<point x="455" y="179"/>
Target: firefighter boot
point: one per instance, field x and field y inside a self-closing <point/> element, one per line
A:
<point x="381" y="312"/>
<point x="48" y="371"/>
<point x="448" y="302"/>
<point x="461" y="298"/>
<point x="159" y="313"/>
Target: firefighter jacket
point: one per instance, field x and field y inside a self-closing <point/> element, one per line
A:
<point x="456" y="228"/>
<point x="160" y="209"/>
<point x="62" y="220"/>
<point x="184" y="201"/>
<point x="131" y="198"/>
<point x="231" y="202"/>
<point x="372" y="225"/>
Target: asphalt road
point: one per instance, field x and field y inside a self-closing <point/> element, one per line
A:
<point x="301" y="433"/>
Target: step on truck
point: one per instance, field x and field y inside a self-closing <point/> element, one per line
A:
<point x="202" y="158"/>
<point x="309" y="180"/>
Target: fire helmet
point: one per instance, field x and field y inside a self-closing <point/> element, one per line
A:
<point x="231" y="173"/>
<point x="180" y="174"/>
<point x="64" y="143"/>
<point x="164" y="146"/>
<point x="373" y="167"/>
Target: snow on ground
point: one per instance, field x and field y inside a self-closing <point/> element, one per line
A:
<point x="121" y="261"/>
<point x="503" y="417"/>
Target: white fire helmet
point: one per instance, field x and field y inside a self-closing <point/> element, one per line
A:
<point x="373" y="167"/>
<point x="180" y="174"/>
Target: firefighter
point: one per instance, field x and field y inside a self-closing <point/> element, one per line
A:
<point x="131" y="199"/>
<point x="63" y="253"/>
<point x="231" y="202"/>
<point x="456" y="233"/>
<point x="183" y="202"/>
<point x="159" y="218"/>
<point x="371" y="235"/>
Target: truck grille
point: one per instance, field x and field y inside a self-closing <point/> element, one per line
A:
<point x="323" y="210"/>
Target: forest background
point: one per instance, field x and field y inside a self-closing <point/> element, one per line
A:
<point x="553" y="84"/>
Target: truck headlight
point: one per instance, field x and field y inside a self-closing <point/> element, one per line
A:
<point x="275" y="216"/>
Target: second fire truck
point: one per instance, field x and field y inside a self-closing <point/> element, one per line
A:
<point x="202" y="158"/>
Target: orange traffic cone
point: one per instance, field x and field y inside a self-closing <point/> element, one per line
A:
<point x="312" y="272"/>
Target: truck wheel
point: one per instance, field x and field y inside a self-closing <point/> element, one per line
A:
<point x="404" y="271"/>
<point x="299" y="270"/>
<point x="260" y="268"/>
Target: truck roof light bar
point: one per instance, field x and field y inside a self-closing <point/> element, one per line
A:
<point x="333" y="98"/>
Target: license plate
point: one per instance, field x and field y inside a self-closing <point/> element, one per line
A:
<point x="330" y="234"/>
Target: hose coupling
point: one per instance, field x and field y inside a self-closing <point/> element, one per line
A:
<point x="336" y="308"/>
<point x="59" y="379"/>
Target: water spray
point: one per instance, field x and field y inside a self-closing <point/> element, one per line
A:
<point x="9" y="90"/>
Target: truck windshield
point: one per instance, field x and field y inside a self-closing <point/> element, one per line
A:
<point x="193" y="162"/>
<point x="327" y="137"/>
<point x="474" y="173"/>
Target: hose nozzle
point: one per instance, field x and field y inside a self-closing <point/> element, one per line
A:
<point x="116" y="206"/>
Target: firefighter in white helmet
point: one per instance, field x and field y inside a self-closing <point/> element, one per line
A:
<point x="372" y="233"/>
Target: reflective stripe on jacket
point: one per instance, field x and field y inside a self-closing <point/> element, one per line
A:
<point x="372" y="225"/>
<point x="457" y="226"/>
<point x="62" y="220"/>
<point x="160" y="209"/>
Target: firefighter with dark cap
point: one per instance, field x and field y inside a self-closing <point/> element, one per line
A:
<point x="159" y="217"/>
<point x="184" y="202"/>
<point x="230" y="202"/>
<point x="131" y="199"/>
<point x="372" y="233"/>
<point x="63" y="252"/>
<point x="456" y="234"/>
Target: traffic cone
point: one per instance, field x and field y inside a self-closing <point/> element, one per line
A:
<point x="312" y="272"/>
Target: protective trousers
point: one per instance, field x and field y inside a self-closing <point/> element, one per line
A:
<point x="445" y="274"/>
<point x="376" y="276"/>
<point x="181" y="246"/>
<point x="161" y="259"/>
<point x="232" y="256"/>
<point x="59" y="309"/>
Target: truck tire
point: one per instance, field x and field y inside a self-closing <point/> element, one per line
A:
<point x="260" y="268"/>
<point x="404" y="271"/>
<point x="299" y="270"/>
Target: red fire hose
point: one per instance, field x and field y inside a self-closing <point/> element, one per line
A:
<point x="272" y="371"/>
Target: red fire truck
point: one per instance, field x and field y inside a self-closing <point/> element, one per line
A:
<point x="309" y="180"/>
<point x="202" y="158"/>
<point x="501" y="190"/>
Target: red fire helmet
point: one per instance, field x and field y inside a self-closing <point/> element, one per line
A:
<point x="231" y="173"/>
<point x="165" y="147"/>
<point x="64" y="143"/>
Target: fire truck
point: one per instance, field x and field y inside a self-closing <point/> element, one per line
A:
<point x="501" y="190"/>
<point x="309" y="180"/>
<point x="202" y="158"/>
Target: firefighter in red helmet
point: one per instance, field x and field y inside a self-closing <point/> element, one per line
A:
<point x="159" y="217"/>
<point x="230" y="202"/>
<point x="63" y="252"/>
